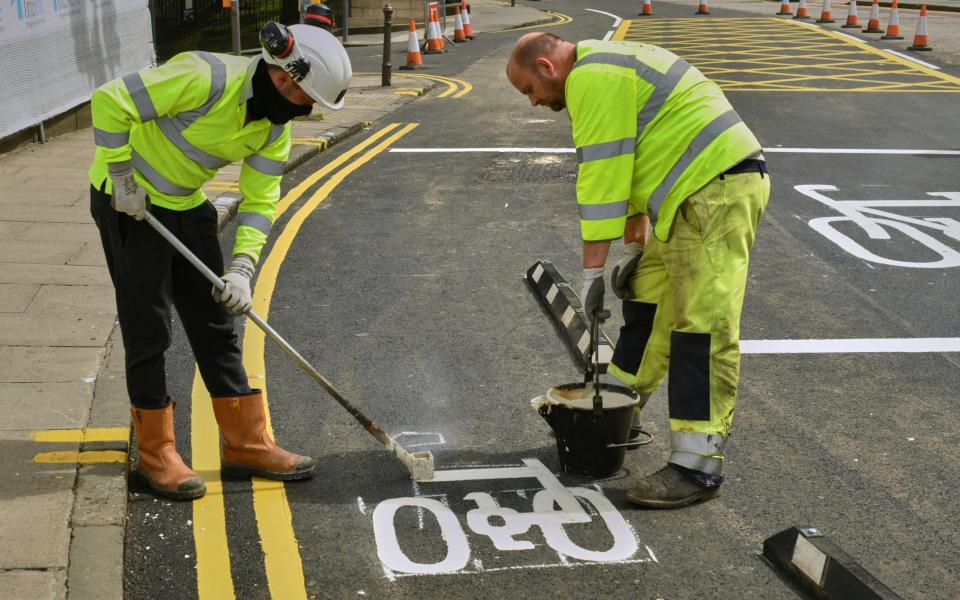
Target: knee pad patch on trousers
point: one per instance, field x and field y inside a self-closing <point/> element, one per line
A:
<point x="638" y="323"/>
<point x="689" y="388"/>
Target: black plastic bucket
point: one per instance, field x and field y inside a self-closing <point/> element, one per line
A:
<point x="590" y="443"/>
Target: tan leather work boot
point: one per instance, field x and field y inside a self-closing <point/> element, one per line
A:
<point x="159" y="462"/>
<point x="248" y="448"/>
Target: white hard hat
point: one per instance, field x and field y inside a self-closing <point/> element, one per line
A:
<point x="313" y="57"/>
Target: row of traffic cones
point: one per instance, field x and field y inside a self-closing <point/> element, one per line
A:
<point x="647" y="9"/>
<point x="920" y="39"/>
<point x="462" y="31"/>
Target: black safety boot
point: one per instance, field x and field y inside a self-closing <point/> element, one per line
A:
<point x="669" y="488"/>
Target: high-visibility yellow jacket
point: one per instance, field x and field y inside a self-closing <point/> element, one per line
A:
<point x="650" y="130"/>
<point x="180" y="122"/>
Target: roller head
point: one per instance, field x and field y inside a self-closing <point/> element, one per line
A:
<point x="421" y="466"/>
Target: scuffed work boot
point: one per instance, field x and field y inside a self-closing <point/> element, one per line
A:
<point x="159" y="462"/>
<point x="669" y="488"/>
<point x="248" y="448"/>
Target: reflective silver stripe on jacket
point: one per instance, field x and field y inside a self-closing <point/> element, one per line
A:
<point x="157" y="180"/>
<point x="173" y="127"/>
<point x="265" y="165"/>
<point x="141" y="99"/>
<point x="704" y="138"/>
<point x="606" y="150"/>
<point x="599" y="212"/>
<point x="663" y="83"/>
<point x="258" y="222"/>
<point x="106" y="139"/>
<point x="275" y="132"/>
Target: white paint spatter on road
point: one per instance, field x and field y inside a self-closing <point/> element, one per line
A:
<point x="361" y="505"/>
<point x="851" y="346"/>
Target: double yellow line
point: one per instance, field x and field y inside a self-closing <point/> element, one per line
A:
<point x="282" y="562"/>
<point x="456" y="87"/>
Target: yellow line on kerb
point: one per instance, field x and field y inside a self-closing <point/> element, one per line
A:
<point x="102" y="434"/>
<point x="450" y="82"/>
<point x="281" y="554"/>
<point x="87" y="457"/>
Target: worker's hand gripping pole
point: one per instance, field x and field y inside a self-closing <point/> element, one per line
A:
<point x="420" y="464"/>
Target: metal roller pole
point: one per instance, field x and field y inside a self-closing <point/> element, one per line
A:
<point x="420" y="464"/>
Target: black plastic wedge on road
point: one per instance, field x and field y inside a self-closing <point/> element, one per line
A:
<point x="564" y="306"/>
<point x="821" y="567"/>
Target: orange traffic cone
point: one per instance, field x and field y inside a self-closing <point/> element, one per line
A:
<point x="852" y="17"/>
<point x="893" y="24"/>
<point x="465" y="15"/>
<point x="920" y="37"/>
<point x="702" y="9"/>
<point x="802" y="11"/>
<point x="434" y="38"/>
<point x="785" y="8"/>
<point x="873" y="25"/>
<point x="458" y="35"/>
<point x="647" y="9"/>
<point x="414" y="60"/>
<point x="826" y="14"/>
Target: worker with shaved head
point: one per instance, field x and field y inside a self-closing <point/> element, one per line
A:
<point x="661" y="151"/>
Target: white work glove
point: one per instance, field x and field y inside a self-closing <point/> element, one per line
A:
<point x="591" y="294"/>
<point x="236" y="285"/>
<point x="128" y="197"/>
<point x="620" y="276"/>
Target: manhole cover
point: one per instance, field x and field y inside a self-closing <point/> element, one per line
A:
<point x="543" y="168"/>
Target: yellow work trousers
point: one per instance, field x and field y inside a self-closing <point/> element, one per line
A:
<point x="685" y="316"/>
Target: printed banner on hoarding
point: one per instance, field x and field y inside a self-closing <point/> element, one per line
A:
<point x="54" y="53"/>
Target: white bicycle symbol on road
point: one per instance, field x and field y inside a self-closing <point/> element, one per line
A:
<point x="553" y="507"/>
<point x="877" y="224"/>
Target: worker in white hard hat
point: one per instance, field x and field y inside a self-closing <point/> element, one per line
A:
<point x="160" y="134"/>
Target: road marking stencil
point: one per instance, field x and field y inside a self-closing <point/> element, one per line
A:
<point x="778" y="55"/>
<point x="554" y="507"/>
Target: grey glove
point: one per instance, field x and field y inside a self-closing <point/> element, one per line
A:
<point x="128" y="197"/>
<point x="592" y="292"/>
<point x="620" y="276"/>
<point x="236" y="285"/>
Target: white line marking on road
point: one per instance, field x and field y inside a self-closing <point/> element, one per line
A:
<point x="859" y="346"/>
<point x="452" y="150"/>
<point x="914" y="59"/>
<point x="860" y="151"/>
<point x="847" y="35"/>
<point x="520" y="150"/>
<point x="616" y="20"/>
<point x="607" y="35"/>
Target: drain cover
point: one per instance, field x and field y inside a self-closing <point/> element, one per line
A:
<point x="543" y="168"/>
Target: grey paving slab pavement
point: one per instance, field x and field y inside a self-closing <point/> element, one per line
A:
<point x="61" y="362"/>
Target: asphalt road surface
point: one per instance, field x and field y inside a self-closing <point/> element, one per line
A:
<point x="400" y="276"/>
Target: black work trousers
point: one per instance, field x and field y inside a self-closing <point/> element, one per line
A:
<point x="149" y="276"/>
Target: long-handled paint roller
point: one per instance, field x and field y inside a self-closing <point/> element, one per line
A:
<point x="420" y="464"/>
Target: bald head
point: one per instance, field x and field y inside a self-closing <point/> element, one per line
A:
<point x="538" y="68"/>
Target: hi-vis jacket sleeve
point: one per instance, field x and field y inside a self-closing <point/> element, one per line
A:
<point x="260" y="178"/>
<point x="117" y="105"/>
<point x="602" y="104"/>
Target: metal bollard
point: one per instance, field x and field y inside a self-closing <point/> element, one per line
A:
<point x="346" y="13"/>
<point x="385" y="72"/>
<point x="235" y="25"/>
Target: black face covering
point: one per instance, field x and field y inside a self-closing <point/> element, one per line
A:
<point x="269" y="103"/>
